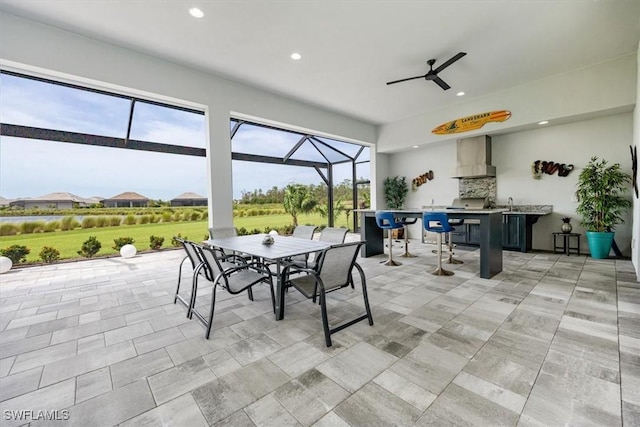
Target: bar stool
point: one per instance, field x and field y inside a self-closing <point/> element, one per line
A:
<point x="442" y="226"/>
<point x="453" y="222"/>
<point x="387" y="221"/>
<point x="405" y="222"/>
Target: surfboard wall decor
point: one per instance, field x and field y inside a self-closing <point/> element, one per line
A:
<point x="465" y="124"/>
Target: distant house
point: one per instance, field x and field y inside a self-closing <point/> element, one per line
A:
<point x="60" y="200"/>
<point x="5" y="202"/>
<point x="127" y="199"/>
<point x="189" y="199"/>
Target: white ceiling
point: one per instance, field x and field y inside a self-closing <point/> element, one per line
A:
<point x="352" y="48"/>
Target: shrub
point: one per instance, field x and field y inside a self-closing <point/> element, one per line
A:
<point x="144" y="219"/>
<point x="154" y="219"/>
<point x="51" y="226"/>
<point x="166" y="216"/>
<point x="16" y="253"/>
<point x="102" y="222"/>
<point x="69" y="223"/>
<point x="115" y="221"/>
<point x="129" y="220"/>
<point x="205" y="215"/>
<point x="242" y="231"/>
<point x="177" y="216"/>
<point x="255" y="231"/>
<point x="90" y="247"/>
<point x="176" y="244"/>
<point x="49" y="254"/>
<point x="88" y="222"/>
<point x="30" y="227"/>
<point x="288" y="229"/>
<point x="119" y="242"/>
<point x="8" y="229"/>
<point x="155" y="242"/>
<point x="195" y="216"/>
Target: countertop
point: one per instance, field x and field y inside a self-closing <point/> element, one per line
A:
<point x="439" y="209"/>
<point x="516" y="209"/>
<point x="528" y="209"/>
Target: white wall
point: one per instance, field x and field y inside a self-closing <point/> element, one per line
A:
<point x="40" y="49"/>
<point x="571" y="96"/>
<point x="606" y="137"/>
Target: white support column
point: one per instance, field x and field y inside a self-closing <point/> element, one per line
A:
<point x="220" y="189"/>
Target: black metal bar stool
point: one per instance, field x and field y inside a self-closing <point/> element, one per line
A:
<point x="453" y="222"/>
<point x="405" y="223"/>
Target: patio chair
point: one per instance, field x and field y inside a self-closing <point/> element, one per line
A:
<point x="234" y="279"/>
<point x="194" y="257"/>
<point x="333" y="271"/>
<point x="329" y="235"/>
<point x="302" y="232"/>
<point x="222" y="232"/>
<point x="333" y="235"/>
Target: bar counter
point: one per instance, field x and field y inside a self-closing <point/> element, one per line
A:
<point x="490" y="233"/>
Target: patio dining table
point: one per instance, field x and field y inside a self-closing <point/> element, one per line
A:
<point x="278" y="253"/>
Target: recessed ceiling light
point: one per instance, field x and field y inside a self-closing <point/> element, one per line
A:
<point x="296" y="56"/>
<point x="460" y="93"/>
<point x="415" y="146"/>
<point x="544" y="122"/>
<point x="196" y="13"/>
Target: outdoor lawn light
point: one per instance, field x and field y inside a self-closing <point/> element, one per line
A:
<point x="5" y="264"/>
<point x="128" y="251"/>
<point x="273" y="233"/>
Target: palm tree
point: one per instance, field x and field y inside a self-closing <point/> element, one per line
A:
<point x="297" y="200"/>
<point x="338" y="208"/>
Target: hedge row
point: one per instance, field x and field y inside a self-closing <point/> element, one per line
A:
<point x="70" y="223"/>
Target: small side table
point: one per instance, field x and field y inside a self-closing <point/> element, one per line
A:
<point x="565" y="247"/>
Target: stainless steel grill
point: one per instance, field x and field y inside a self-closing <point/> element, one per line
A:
<point x="470" y="203"/>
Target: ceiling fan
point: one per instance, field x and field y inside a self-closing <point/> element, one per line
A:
<point x="433" y="74"/>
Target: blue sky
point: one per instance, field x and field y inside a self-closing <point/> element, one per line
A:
<point x="31" y="168"/>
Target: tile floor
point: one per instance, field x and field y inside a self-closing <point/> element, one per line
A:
<point x="552" y="340"/>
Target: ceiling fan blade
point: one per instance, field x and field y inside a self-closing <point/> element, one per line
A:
<point x="449" y="62"/>
<point x="404" y="80"/>
<point x="441" y="83"/>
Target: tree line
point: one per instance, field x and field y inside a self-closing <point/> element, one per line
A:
<point x="318" y="192"/>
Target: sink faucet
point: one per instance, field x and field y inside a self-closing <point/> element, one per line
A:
<point x="510" y="204"/>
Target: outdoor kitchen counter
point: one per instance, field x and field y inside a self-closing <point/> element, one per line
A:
<point x="527" y="209"/>
<point x="490" y="233"/>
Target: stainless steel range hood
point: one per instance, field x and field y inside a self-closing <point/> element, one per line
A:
<point x="474" y="158"/>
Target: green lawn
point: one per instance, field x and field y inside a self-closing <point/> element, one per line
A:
<point x="69" y="242"/>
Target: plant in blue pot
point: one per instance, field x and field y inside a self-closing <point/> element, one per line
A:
<point x="602" y="203"/>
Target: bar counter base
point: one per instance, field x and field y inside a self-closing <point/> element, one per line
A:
<point x="490" y="234"/>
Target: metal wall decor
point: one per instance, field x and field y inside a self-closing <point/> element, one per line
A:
<point x="634" y="169"/>
<point x="549" y="167"/>
<point x="422" y="179"/>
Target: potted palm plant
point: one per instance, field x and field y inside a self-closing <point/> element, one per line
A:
<point x="395" y="191"/>
<point x="602" y="203"/>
